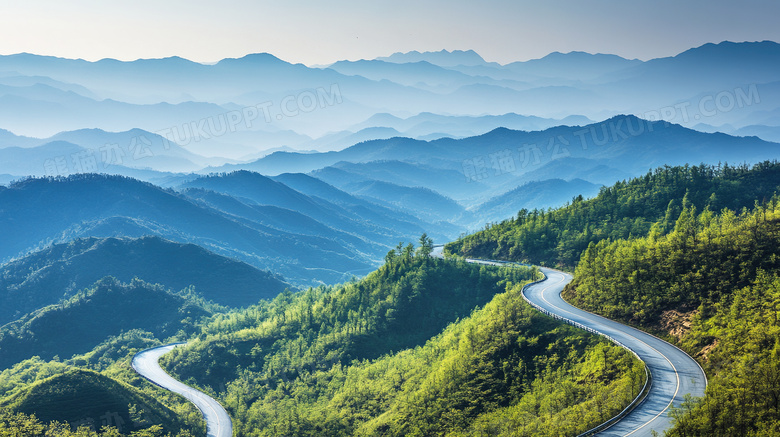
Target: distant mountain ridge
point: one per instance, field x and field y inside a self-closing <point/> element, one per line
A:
<point x="131" y="208"/>
<point x="443" y="58"/>
<point x="190" y="98"/>
<point x="58" y="271"/>
<point x="626" y="142"/>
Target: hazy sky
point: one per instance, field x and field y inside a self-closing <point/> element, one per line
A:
<point x="319" y="32"/>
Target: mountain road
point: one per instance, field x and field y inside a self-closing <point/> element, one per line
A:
<point x="218" y="423"/>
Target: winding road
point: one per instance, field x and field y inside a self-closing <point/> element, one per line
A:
<point x="146" y="363"/>
<point x="674" y="373"/>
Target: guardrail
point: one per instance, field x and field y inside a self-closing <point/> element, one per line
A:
<point x="648" y="377"/>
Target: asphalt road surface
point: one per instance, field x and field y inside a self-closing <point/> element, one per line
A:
<point x="218" y="422"/>
<point x="674" y="373"/>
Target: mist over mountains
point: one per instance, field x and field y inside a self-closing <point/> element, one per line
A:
<point x="272" y="101"/>
<point x="315" y="172"/>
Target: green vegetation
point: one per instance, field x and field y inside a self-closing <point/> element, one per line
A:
<point x="59" y="271"/>
<point x="431" y="347"/>
<point x="32" y="385"/>
<point x="691" y="253"/>
<point x="28" y="386"/>
<point x="744" y="337"/>
<point x="625" y="210"/>
<point x="83" y="397"/>
<point x="722" y="272"/>
<point x="23" y="425"/>
<point x="92" y="315"/>
<point x="422" y="346"/>
<point x="703" y="261"/>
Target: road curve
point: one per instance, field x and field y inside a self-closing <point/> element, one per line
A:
<point x="674" y="373"/>
<point x="146" y="364"/>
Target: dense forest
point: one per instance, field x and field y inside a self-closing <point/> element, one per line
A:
<point x="107" y="308"/>
<point x="23" y="425"/>
<point x="628" y="209"/>
<point x="421" y="347"/>
<point x="427" y="346"/>
<point x="93" y="384"/>
<point x="689" y="253"/>
<point x="714" y="282"/>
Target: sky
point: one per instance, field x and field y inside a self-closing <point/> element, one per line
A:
<point x="316" y="32"/>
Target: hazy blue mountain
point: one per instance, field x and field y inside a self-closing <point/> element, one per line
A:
<point x="173" y="92"/>
<point x="768" y="133"/>
<point x="316" y="187"/>
<point x="262" y="190"/>
<point x="725" y="63"/>
<point x="341" y="140"/>
<point x="368" y="235"/>
<point x="412" y="73"/>
<point x="590" y="170"/>
<point x="768" y="117"/>
<point x="449" y="182"/>
<point x="97" y="151"/>
<point x="150" y="81"/>
<point x="44" y="277"/>
<point x="625" y="143"/>
<point x="9" y="139"/>
<point x="255" y="143"/>
<point x="268" y="216"/>
<point x="338" y="177"/>
<point x="142" y="148"/>
<point x="702" y="72"/>
<point x="765" y="132"/>
<point x="41" y="110"/>
<point x="28" y="81"/>
<point x="39" y="212"/>
<point x="572" y="65"/>
<point x="422" y="74"/>
<point x="55" y="159"/>
<point x="62" y="158"/>
<point x="406" y="224"/>
<point x="103" y="76"/>
<point x="466" y="126"/>
<point x="442" y="58"/>
<point x="544" y="194"/>
<point x="392" y="149"/>
<point x="422" y="202"/>
<point x="544" y="101"/>
<point x="257" y="80"/>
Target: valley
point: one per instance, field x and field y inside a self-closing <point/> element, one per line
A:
<point x="276" y="222"/>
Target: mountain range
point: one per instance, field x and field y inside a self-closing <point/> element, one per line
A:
<point x="164" y="200"/>
<point x="207" y="106"/>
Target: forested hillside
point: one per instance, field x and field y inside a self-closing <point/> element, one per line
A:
<point x="422" y="346"/>
<point x="689" y="253"/>
<point x="83" y="398"/>
<point x="714" y="284"/>
<point x="627" y="209"/>
<point x="45" y="277"/>
<point x="106" y="309"/>
<point x="110" y="400"/>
